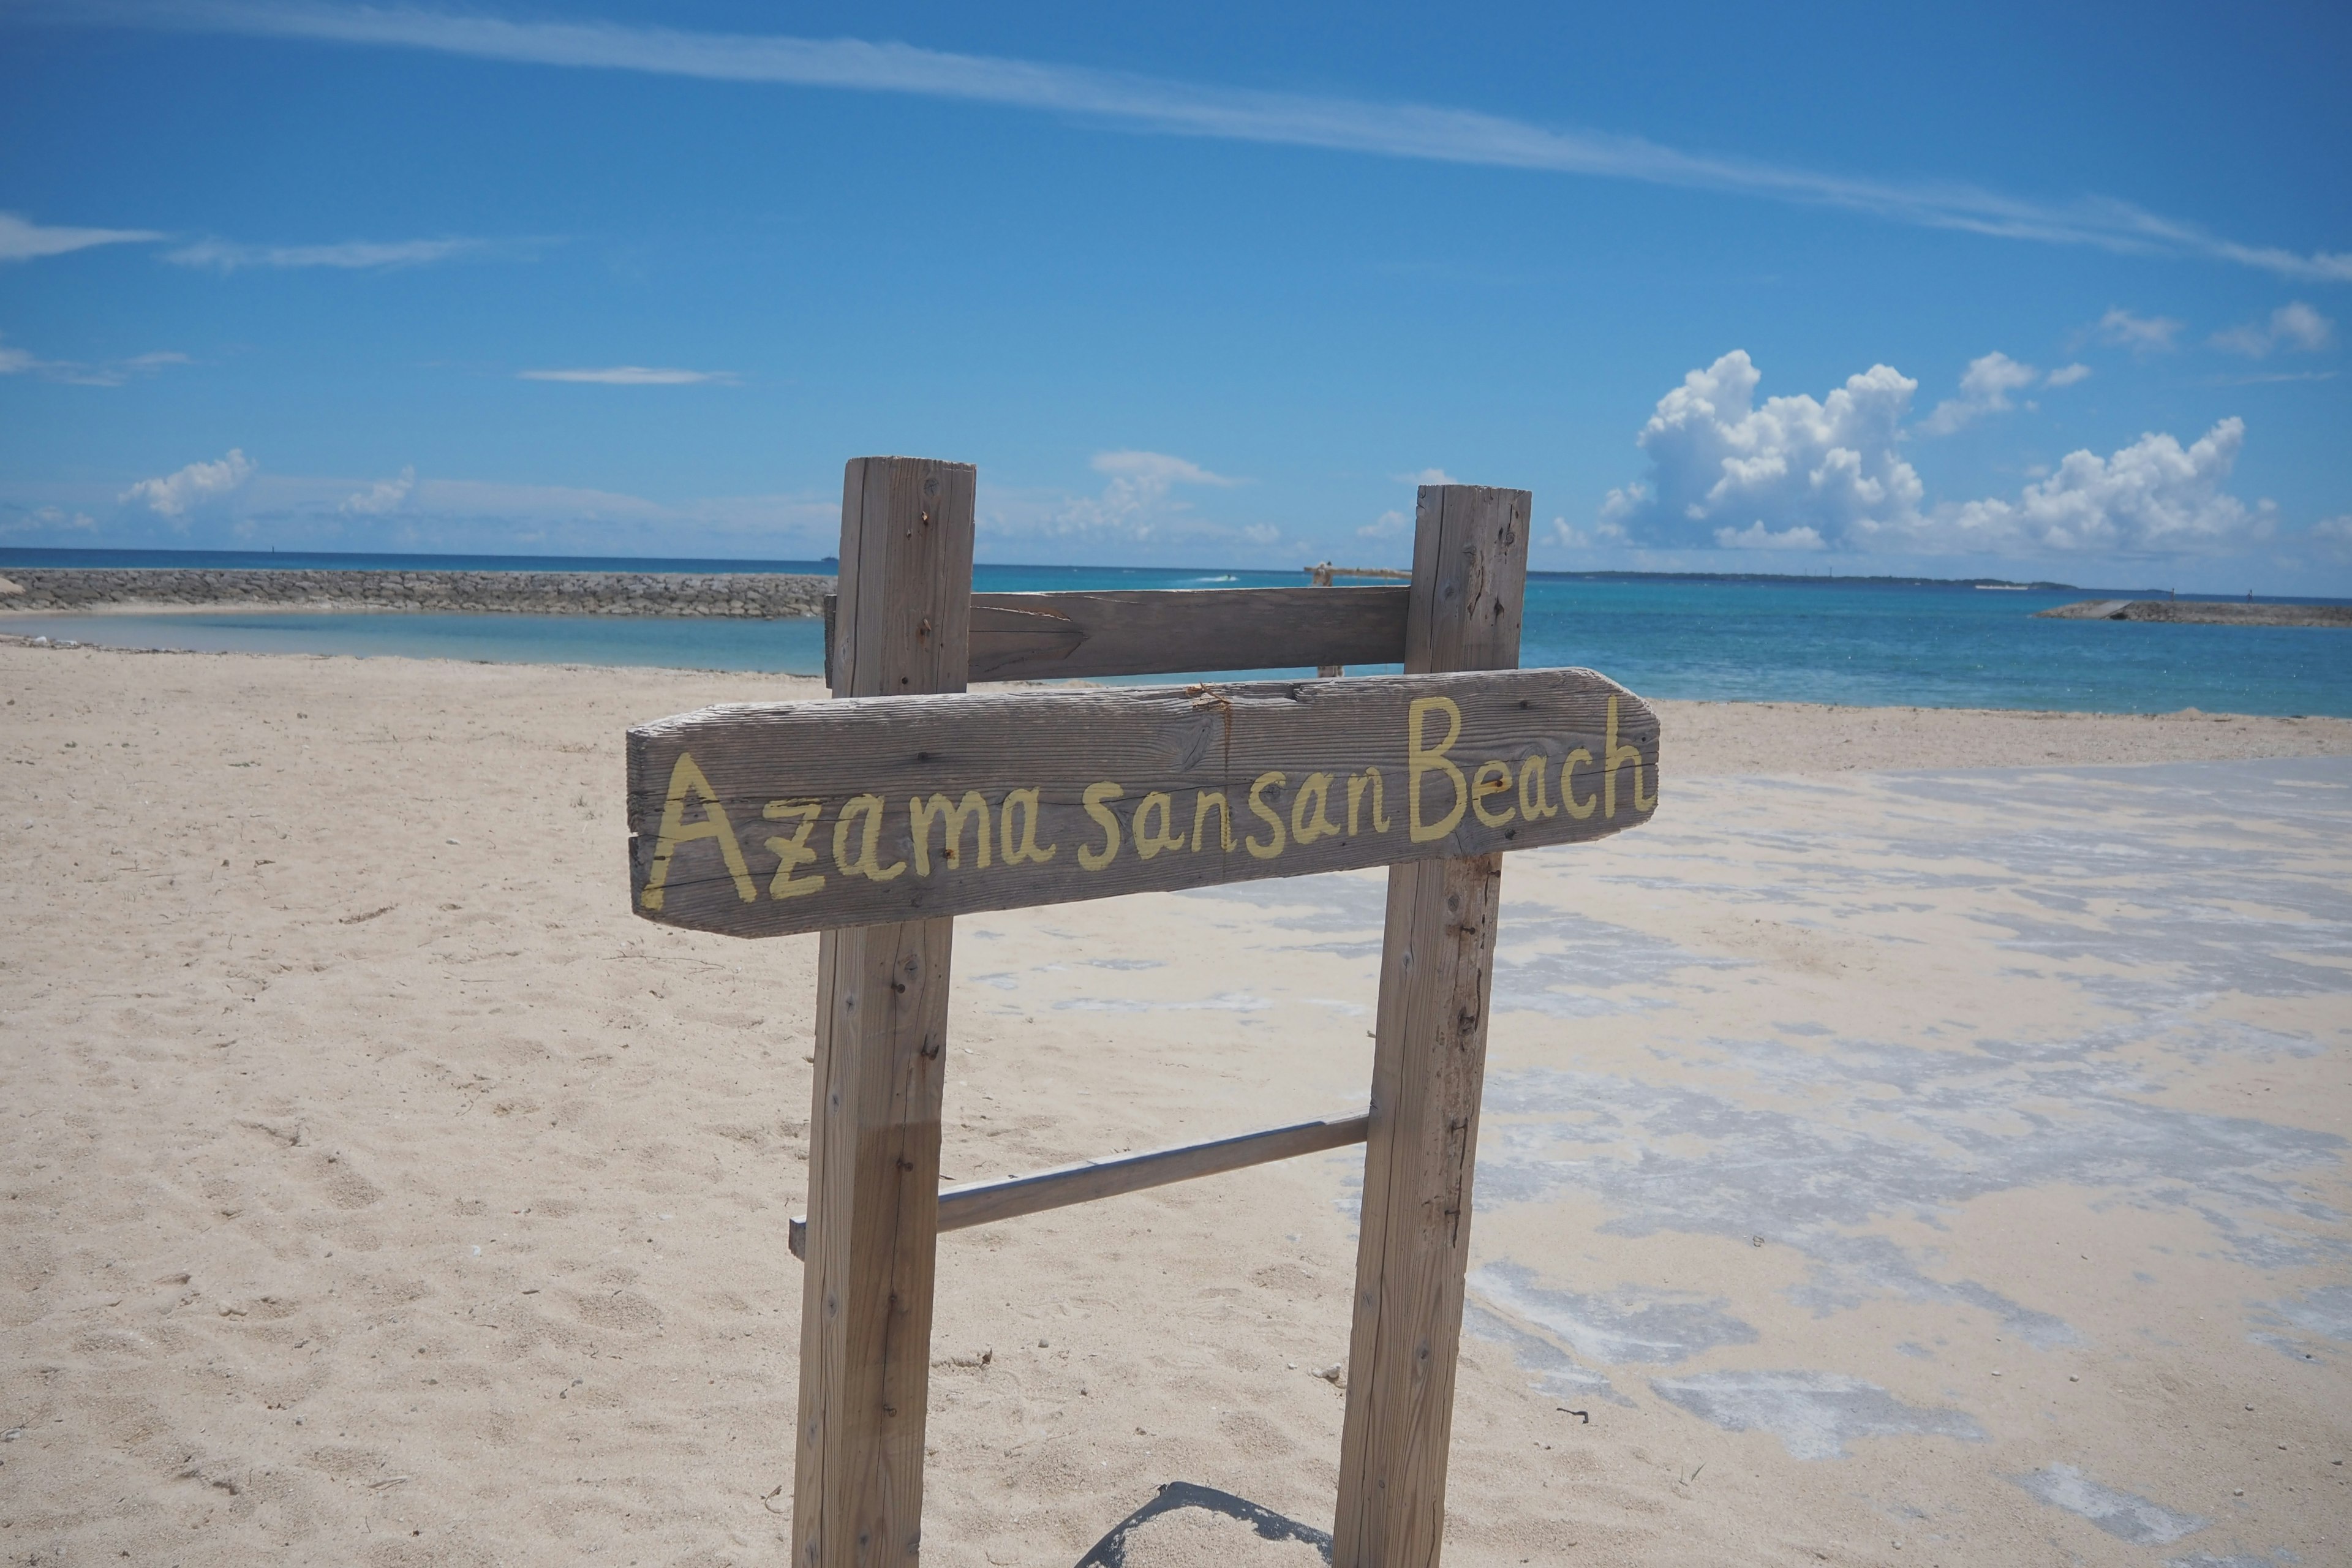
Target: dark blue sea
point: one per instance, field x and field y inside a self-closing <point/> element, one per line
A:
<point x="1866" y="642"/>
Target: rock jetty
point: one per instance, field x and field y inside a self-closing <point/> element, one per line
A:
<point x="747" y="595"/>
<point x="2202" y="611"/>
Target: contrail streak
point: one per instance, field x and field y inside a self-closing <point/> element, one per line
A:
<point x="1183" y="109"/>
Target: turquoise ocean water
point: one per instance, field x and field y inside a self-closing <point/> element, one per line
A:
<point x="1869" y="643"/>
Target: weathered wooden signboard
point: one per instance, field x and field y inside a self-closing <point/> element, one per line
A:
<point x="763" y="820"/>
<point x="874" y="818"/>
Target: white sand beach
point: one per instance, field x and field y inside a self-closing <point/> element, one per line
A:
<point x="1924" y="1144"/>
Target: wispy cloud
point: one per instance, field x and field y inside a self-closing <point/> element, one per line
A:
<point x="1138" y="502"/>
<point x="632" y="376"/>
<point x="2121" y="329"/>
<point x="1147" y="103"/>
<point x="76" y="372"/>
<point x="351" y="256"/>
<point x="22" y="241"/>
<point x="2294" y="325"/>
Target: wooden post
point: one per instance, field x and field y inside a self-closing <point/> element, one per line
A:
<point x="903" y="627"/>
<point x="1470" y="552"/>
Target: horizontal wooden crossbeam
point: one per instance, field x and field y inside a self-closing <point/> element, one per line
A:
<point x="1048" y="637"/>
<point x="980" y="1202"/>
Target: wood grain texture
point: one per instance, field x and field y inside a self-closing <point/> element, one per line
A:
<point x="984" y="1202"/>
<point x="1429" y="1059"/>
<point x="882" y="1002"/>
<point x="1069" y="635"/>
<point x="766" y="819"/>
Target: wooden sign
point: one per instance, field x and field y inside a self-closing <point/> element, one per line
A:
<point x="770" y="819"/>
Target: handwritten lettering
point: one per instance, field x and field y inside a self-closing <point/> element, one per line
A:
<point x="863" y="863"/>
<point x="1578" y="809"/>
<point x="794" y="853"/>
<point x="921" y="814"/>
<point x="1483" y="789"/>
<point x="1421" y="758"/>
<point x="1535" y="798"/>
<point x="1097" y="802"/>
<point x="1617" y="754"/>
<point x="1271" y="848"/>
<point x="1307" y="826"/>
<point x="1450" y="806"/>
<point x="1355" y="796"/>
<point x="1151" y="840"/>
<point x="684" y="775"/>
<point x="1202" y="802"/>
<point x="1024" y="850"/>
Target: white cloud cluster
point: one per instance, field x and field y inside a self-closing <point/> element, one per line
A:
<point x="2334" y="535"/>
<point x="353" y="256"/>
<point x="383" y="497"/>
<point x="631" y="375"/>
<point x="2153" y="497"/>
<point x="2294" y="325"/>
<point x="23" y="240"/>
<point x="1799" y="474"/>
<point x="174" y="494"/>
<point x="1788" y="475"/>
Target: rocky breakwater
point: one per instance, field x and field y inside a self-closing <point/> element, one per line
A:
<point x="2203" y="612"/>
<point x="747" y="595"/>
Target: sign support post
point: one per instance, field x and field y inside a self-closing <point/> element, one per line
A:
<point x="903" y="630"/>
<point x="874" y="822"/>
<point x="1469" y="576"/>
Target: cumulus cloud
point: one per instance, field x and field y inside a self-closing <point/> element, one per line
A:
<point x="1719" y="464"/>
<point x="2120" y="329"/>
<point x="1426" y="476"/>
<point x="2153" y="497"/>
<point x="2293" y="326"/>
<point x="1985" y="387"/>
<point x="22" y="241"/>
<point x="174" y="494"/>
<point x="352" y="256"/>
<point x="631" y="375"/>
<point x="1797" y="474"/>
<point x="2067" y="375"/>
<point x="1388" y="525"/>
<point x="381" y="497"/>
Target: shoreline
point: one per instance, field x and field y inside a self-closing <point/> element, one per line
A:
<point x="1723" y="733"/>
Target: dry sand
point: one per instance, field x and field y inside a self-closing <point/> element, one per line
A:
<point x="1934" y="1166"/>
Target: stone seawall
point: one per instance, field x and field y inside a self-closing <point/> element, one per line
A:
<point x="750" y="595"/>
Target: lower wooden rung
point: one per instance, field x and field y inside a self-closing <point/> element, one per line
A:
<point x="978" y="1203"/>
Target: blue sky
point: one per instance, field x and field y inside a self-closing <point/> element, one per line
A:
<point x="2039" y="291"/>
